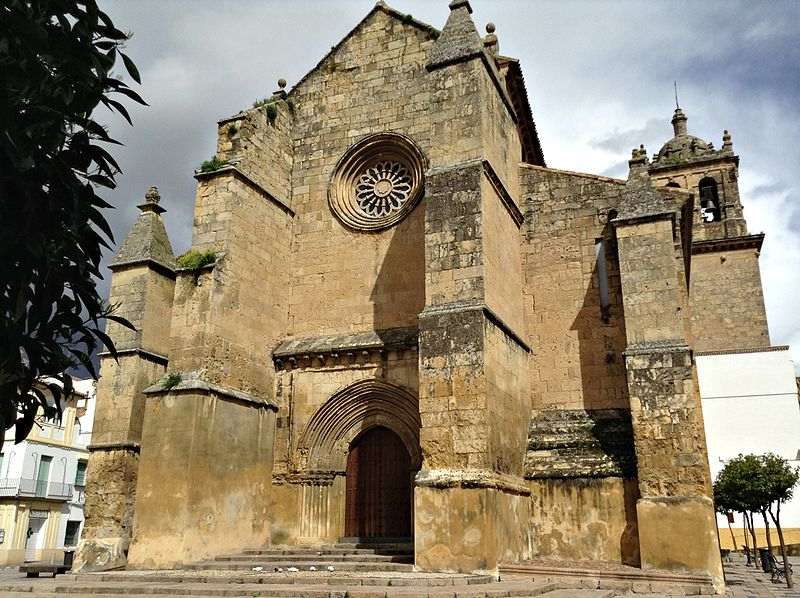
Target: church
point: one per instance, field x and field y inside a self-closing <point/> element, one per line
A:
<point x="397" y="323"/>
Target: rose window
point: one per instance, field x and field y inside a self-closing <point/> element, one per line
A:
<point x="383" y="189"/>
<point x="377" y="182"/>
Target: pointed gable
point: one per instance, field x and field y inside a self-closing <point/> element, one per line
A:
<point x="380" y="6"/>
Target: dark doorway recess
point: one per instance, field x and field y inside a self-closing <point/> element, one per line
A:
<point x="379" y="486"/>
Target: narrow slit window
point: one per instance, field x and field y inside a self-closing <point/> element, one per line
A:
<point x="602" y="280"/>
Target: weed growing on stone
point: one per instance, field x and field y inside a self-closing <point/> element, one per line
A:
<point x="194" y="260"/>
<point x="171" y="380"/>
<point x="213" y="164"/>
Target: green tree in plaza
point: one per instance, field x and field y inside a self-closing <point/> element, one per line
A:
<point x="56" y="61"/>
<point x="752" y="484"/>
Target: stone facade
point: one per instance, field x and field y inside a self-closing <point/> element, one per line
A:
<point x="391" y="251"/>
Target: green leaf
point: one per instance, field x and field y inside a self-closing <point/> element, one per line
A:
<point x="131" y="68"/>
<point x="121" y="321"/>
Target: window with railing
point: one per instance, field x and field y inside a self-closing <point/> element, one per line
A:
<point x="29" y="487"/>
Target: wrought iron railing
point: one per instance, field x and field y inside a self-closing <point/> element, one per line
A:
<point x="27" y="487"/>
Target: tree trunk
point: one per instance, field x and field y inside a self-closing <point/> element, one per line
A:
<point x="730" y="529"/>
<point x="745" y="531"/>
<point x="751" y="521"/>
<point x="777" y="520"/>
<point x="766" y="530"/>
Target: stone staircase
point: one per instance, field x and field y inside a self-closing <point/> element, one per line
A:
<point x="343" y="570"/>
<point x="345" y="556"/>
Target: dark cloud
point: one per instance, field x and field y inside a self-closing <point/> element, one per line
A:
<point x="617" y="171"/>
<point x="599" y="74"/>
<point x="625" y="141"/>
<point x="769" y="189"/>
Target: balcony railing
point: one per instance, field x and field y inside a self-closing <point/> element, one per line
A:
<point x="27" y="487"/>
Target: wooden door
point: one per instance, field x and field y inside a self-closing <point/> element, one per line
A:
<point x="379" y="486"/>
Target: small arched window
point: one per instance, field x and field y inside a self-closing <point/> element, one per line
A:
<point x="673" y="184"/>
<point x="709" y="200"/>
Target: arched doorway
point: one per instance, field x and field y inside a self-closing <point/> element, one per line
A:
<point x="379" y="489"/>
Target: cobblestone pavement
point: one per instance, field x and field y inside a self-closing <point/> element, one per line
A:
<point x="752" y="582"/>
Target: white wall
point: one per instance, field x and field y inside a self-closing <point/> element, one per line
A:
<point x="750" y="405"/>
<point x="21" y="460"/>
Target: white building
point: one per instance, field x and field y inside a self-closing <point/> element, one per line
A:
<point x="750" y="405"/>
<point x="42" y="482"/>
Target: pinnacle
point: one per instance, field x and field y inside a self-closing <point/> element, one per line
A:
<point x="459" y="39"/>
<point x="459" y="3"/>
<point x="147" y="240"/>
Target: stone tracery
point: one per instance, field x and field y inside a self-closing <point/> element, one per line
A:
<point x="383" y="188"/>
<point x="377" y="182"/>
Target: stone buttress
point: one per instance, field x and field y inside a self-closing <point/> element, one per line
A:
<point x="209" y="426"/>
<point x="142" y="284"/>
<point x="471" y="502"/>
<point x="675" y="512"/>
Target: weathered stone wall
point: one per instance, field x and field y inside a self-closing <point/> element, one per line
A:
<point x="261" y="148"/>
<point x="120" y="413"/>
<point x="579" y="348"/>
<point x="657" y="313"/>
<point x="473" y="379"/>
<point x="674" y="510"/>
<point x="212" y="436"/>
<point x="345" y="281"/>
<point x="584" y="519"/>
<point x="502" y="260"/>
<point x="508" y="401"/>
<point x="110" y="493"/>
<point x="727" y="301"/>
<point x="143" y="291"/>
<point x="213" y="328"/>
<point x="204" y="478"/>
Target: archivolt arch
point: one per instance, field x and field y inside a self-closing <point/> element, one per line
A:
<point x="353" y="410"/>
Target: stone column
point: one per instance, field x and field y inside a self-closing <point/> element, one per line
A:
<point x="142" y="284"/>
<point x="677" y="528"/>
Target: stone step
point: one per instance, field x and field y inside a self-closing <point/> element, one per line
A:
<point x="495" y="590"/>
<point x="401" y="546"/>
<point x="415" y="579"/>
<point x="327" y="550"/>
<point x="314" y="558"/>
<point x="364" y="540"/>
<point x="302" y="565"/>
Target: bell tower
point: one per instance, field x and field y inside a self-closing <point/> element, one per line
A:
<point x="727" y="302"/>
<point x="711" y="174"/>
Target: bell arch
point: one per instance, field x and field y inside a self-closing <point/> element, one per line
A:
<point x="353" y="410"/>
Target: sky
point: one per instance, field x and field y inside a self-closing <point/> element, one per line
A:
<point x="599" y="75"/>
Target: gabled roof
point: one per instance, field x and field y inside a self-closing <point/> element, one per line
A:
<point x="464" y="40"/>
<point x="381" y="6"/>
<point x="529" y="137"/>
